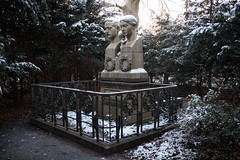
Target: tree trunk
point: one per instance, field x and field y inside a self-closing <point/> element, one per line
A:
<point x="15" y="92"/>
<point x="151" y="77"/>
<point x="97" y="76"/>
<point x="210" y="79"/>
<point x="199" y="78"/>
<point x="211" y="10"/>
<point x="130" y="7"/>
<point x="186" y="9"/>
<point x="21" y="92"/>
<point x="165" y="78"/>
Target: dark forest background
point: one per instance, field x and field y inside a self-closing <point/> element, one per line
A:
<point x="63" y="40"/>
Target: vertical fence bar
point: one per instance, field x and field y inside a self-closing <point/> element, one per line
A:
<point x="158" y="106"/>
<point x="75" y="105"/>
<point x="42" y="105"/>
<point x="103" y="117"/>
<point x="109" y="117"/>
<point x="141" y="110"/>
<point x="96" y="118"/>
<point x="95" y="86"/>
<point x="77" y="113"/>
<point x="117" y="120"/>
<point x="63" y="110"/>
<point x="170" y="107"/>
<point x="138" y="114"/>
<point x="88" y="87"/>
<point x="55" y="106"/>
<point x="99" y="87"/>
<point x="52" y="108"/>
<point x="80" y="115"/>
<point x="155" y="111"/>
<point x="66" y="114"/>
<point x="93" y="118"/>
<point x="175" y="104"/>
<point x="121" y="116"/>
<point x="33" y="103"/>
<point x="171" y="110"/>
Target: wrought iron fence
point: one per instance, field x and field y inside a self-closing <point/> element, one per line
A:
<point x="107" y="117"/>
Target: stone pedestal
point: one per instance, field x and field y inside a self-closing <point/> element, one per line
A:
<point x="134" y="76"/>
<point x="108" y="86"/>
<point x="109" y="104"/>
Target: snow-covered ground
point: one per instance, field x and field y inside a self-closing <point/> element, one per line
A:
<point x="174" y="143"/>
<point x="108" y="128"/>
<point x="171" y="145"/>
<point x="168" y="146"/>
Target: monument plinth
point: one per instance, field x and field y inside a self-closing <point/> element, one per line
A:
<point x="118" y="112"/>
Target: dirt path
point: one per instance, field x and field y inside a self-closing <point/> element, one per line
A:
<point x="19" y="140"/>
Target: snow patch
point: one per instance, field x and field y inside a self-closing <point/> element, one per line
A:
<point x="139" y="70"/>
<point x="61" y="24"/>
<point x="2" y="60"/>
<point x="108" y="126"/>
<point x="168" y="146"/>
<point x="79" y="23"/>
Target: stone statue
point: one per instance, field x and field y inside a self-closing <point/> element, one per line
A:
<point x="131" y="48"/>
<point x="112" y="27"/>
<point x="130" y="7"/>
<point x="124" y="61"/>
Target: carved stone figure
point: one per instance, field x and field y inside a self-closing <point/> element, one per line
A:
<point x="131" y="48"/>
<point x="124" y="63"/>
<point x="112" y="28"/>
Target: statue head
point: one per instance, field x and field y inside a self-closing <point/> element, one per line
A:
<point x="129" y="25"/>
<point x="112" y="27"/>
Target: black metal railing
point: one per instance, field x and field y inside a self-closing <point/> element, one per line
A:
<point x="107" y="117"/>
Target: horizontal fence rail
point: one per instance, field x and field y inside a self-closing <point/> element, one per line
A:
<point x="105" y="117"/>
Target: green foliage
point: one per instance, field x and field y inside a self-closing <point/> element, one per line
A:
<point x="13" y="70"/>
<point x="202" y="50"/>
<point x="214" y="126"/>
<point x="213" y="47"/>
<point x="161" y="50"/>
<point x="46" y="34"/>
<point x="45" y="31"/>
<point x="151" y="54"/>
<point x="12" y="62"/>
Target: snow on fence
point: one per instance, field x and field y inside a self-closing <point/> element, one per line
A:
<point x="105" y="117"/>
